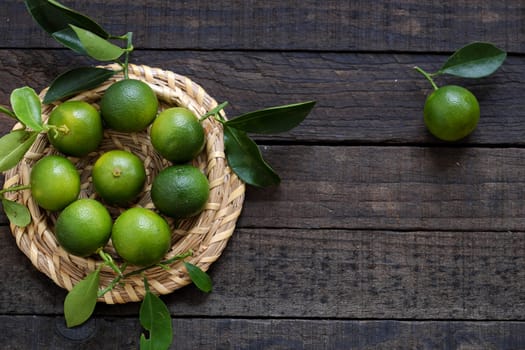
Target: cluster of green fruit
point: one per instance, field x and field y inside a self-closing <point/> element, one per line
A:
<point x="76" y="128"/>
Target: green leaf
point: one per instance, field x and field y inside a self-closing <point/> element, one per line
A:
<point x="7" y="111"/>
<point x="97" y="47"/>
<point x="17" y="213"/>
<point x="200" y="278"/>
<point x="475" y="60"/>
<point x="69" y="38"/>
<point x="75" y="81"/>
<point x="274" y="119"/>
<point x="80" y="302"/>
<point x="245" y="159"/>
<point x="54" y="17"/>
<point x="13" y="147"/>
<point x="155" y="317"/>
<point x="27" y="107"/>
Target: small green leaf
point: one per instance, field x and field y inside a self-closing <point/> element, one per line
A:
<point x="54" y="17"/>
<point x="13" y="147"/>
<point x="475" y="60"/>
<point x="200" y="278"/>
<point x="80" y="302"/>
<point x="245" y="159"/>
<point x="27" y="107"/>
<point x="98" y="47"/>
<point x="7" y="111"/>
<point x="274" y="119"/>
<point x="17" y="213"/>
<point x="156" y="319"/>
<point x="75" y="81"/>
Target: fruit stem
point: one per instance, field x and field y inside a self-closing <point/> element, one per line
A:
<point x="428" y="76"/>
<point x="116" y="172"/>
<point x="57" y="130"/>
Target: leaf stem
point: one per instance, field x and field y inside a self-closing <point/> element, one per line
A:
<point x="110" y="286"/>
<point x="129" y="49"/>
<point x="121" y="275"/>
<point x="428" y="76"/>
<point x="146" y="284"/>
<point x="8" y="112"/>
<point x="109" y="261"/>
<point x="215" y="112"/>
<point x="15" y="188"/>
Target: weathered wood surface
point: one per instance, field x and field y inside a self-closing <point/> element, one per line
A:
<point x="390" y="188"/>
<point x="361" y="98"/>
<point x="331" y="25"/>
<point x="202" y="333"/>
<point x="379" y="236"/>
<point x="327" y="274"/>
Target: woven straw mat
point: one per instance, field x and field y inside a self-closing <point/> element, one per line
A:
<point x="205" y="234"/>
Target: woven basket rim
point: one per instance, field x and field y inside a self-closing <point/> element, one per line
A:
<point x="206" y="234"/>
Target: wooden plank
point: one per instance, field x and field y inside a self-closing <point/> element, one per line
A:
<point x="368" y="274"/>
<point x="402" y="25"/>
<point x="123" y="333"/>
<point x="317" y="273"/>
<point x="362" y="98"/>
<point x="390" y="188"/>
<point x="398" y="188"/>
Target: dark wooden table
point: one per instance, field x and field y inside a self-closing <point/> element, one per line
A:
<point x="379" y="236"/>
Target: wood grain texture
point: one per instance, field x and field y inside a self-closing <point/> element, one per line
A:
<point x="330" y="25"/>
<point x="332" y="274"/>
<point x="390" y="188"/>
<point x="123" y="333"/>
<point x="379" y="237"/>
<point x="361" y="98"/>
<point x="394" y="188"/>
<point x="398" y="188"/>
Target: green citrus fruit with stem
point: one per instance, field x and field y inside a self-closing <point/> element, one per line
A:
<point x="141" y="236"/>
<point x="129" y="105"/>
<point x="451" y="112"/>
<point x="55" y="182"/>
<point x="75" y="128"/>
<point x="180" y="191"/>
<point x="177" y="135"/>
<point x="83" y="227"/>
<point x="118" y="177"/>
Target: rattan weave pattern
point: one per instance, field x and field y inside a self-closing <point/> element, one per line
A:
<point x="205" y="234"/>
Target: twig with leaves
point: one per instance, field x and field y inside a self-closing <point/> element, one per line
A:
<point x="474" y="60"/>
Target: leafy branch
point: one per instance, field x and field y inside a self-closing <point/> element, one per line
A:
<point x="154" y="315"/>
<point x="474" y="60"/>
<point x="84" y="36"/>
<point x="242" y="153"/>
<point x="26" y="109"/>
